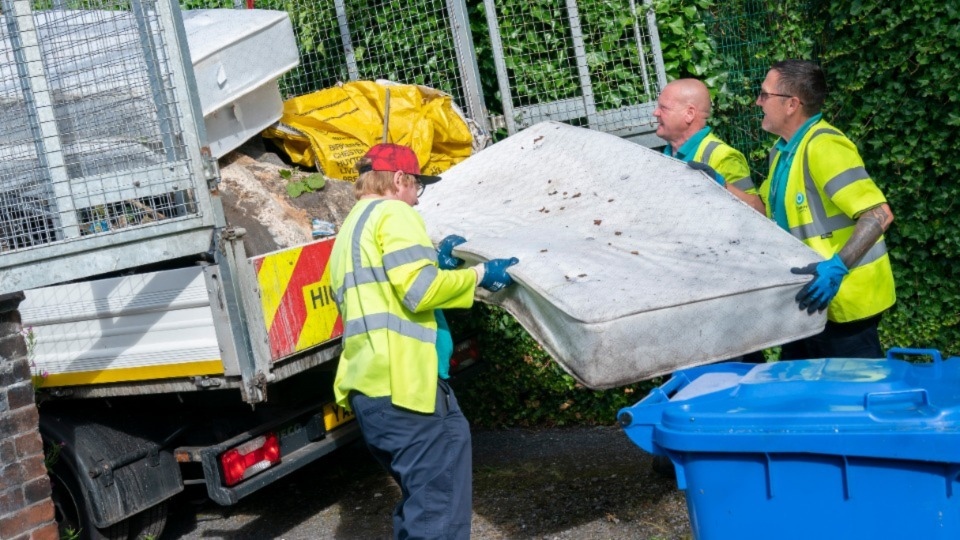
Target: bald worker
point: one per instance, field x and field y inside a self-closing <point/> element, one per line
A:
<point x="682" y="112"/>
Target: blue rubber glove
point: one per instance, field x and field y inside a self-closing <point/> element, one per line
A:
<point x="827" y="276"/>
<point x="495" y="276"/>
<point x="697" y="166"/>
<point x="445" y="258"/>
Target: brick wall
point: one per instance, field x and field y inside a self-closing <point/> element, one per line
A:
<point x="26" y="511"/>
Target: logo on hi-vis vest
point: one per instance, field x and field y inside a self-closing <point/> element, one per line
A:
<point x="297" y="298"/>
<point x="800" y="199"/>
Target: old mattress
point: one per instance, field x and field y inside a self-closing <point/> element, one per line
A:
<point x="631" y="264"/>
<point x="238" y="56"/>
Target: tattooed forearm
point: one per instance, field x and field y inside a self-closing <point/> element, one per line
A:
<point x="870" y="225"/>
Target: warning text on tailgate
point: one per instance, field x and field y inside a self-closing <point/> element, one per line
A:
<point x="298" y="307"/>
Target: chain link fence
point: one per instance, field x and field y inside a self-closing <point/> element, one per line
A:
<point x="507" y="63"/>
<point x="425" y="42"/>
<point x="748" y="37"/>
<point x="590" y="63"/>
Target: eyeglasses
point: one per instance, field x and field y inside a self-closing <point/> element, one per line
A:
<point x="765" y="95"/>
<point x="421" y="187"/>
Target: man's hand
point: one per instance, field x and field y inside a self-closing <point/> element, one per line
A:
<point x="717" y="177"/>
<point x="493" y="274"/>
<point x="445" y="258"/>
<point x="827" y="276"/>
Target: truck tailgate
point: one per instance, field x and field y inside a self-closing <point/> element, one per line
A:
<point x="296" y="298"/>
<point x="154" y="325"/>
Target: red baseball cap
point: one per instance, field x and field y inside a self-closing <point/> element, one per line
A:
<point x="394" y="157"/>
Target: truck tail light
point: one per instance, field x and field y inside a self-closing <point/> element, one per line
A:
<point x="250" y="458"/>
<point x="465" y="353"/>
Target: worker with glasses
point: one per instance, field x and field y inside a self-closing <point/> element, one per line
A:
<point x="818" y="190"/>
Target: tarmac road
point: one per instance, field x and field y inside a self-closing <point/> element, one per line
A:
<point x="570" y="483"/>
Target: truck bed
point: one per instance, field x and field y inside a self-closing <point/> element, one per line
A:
<point x="170" y="330"/>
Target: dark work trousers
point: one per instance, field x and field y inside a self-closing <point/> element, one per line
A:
<point x="430" y="456"/>
<point x="856" y="339"/>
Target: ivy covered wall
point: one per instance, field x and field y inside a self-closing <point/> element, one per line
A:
<point x="892" y="68"/>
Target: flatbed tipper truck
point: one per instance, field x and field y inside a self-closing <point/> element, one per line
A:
<point x="163" y="353"/>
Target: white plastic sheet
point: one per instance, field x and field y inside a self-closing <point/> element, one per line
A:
<point x="631" y="264"/>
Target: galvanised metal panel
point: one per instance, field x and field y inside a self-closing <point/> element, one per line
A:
<point x="101" y="167"/>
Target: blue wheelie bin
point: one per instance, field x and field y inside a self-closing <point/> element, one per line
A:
<point x="824" y="449"/>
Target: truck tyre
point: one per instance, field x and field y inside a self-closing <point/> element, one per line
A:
<point x="72" y="511"/>
<point x="73" y="515"/>
<point x="149" y="524"/>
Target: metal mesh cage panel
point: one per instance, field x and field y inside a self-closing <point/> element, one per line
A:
<point x="90" y="134"/>
<point x="588" y="63"/>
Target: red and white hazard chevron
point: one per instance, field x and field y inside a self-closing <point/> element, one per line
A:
<point x="298" y="307"/>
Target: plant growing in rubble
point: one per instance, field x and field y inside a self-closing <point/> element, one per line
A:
<point x="299" y="186"/>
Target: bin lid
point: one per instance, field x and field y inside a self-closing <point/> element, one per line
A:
<point x="851" y="407"/>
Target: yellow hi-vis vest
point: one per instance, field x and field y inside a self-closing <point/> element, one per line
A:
<point x="727" y="161"/>
<point x="826" y="190"/>
<point x="387" y="285"/>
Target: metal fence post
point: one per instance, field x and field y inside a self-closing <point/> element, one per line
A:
<point x="500" y="63"/>
<point x="352" y="71"/>
<point x="25" y="40"/>
<point x="467" y="61"/>
<point x="655" y="45"/>
<point x="580" y="53"/>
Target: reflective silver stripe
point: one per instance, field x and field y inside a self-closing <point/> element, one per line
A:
<point x="419" y="288"/>
<point x="844" y="179"/>
<point x="374" y="274"/>
<point x="708" y="151"/>
<point x="878" y="250"/>
<point x="408" y="255"/>
<point x="360" y="275"/>
<point x="387" y="321"/>
<point x="821" y="224"/>
<point x="743" y="184"/>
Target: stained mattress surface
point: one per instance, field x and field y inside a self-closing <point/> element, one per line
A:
<point x="631" y="264"/>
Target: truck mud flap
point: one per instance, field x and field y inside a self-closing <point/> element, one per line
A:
<point x="122" y="468"/>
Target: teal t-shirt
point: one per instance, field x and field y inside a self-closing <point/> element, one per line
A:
<point x="688" y="149"/>
<point x="779" y="181"/>
<point x="444" y="346"/>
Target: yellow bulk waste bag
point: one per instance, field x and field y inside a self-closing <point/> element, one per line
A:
<point x="333" y="128"/>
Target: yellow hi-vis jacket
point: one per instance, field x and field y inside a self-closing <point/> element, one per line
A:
<point x="727" y="161"/>
<point x="826" y="190"/>
<point x="387" y="286"/>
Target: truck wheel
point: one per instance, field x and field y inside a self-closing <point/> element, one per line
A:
<point x="74" y="521"/>
<point x="73" y="518"/>
<point x="149" y="524"/>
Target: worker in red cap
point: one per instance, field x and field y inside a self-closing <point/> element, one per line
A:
<point x="388" y="287"/>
